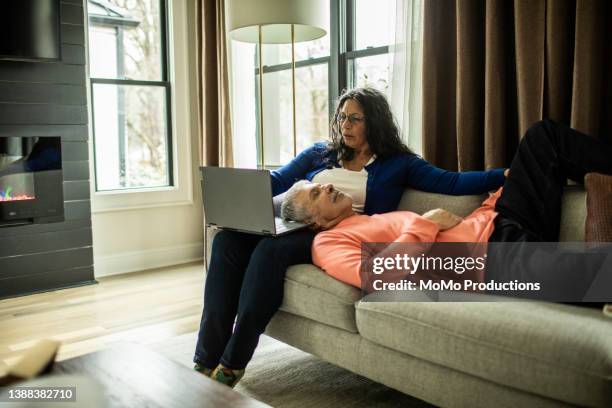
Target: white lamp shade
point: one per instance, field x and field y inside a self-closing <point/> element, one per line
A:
<point x="310" y="18"/>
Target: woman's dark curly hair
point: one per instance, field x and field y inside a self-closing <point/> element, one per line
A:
<point x="382" y="132"/>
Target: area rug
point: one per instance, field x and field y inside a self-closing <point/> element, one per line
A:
<point x="283" y="376"/>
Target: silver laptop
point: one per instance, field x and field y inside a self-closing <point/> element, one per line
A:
<point x="241" y="200"/>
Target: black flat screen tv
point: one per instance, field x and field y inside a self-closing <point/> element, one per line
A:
<point x="30" y="30"/>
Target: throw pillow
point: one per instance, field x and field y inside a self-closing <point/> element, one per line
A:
<point x="598" y="225"/>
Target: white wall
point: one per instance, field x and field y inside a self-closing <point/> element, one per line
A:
<point x="146" y="232"/>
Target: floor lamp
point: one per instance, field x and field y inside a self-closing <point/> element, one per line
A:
<point x="276" y="22"/>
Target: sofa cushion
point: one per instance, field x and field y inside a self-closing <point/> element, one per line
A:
<point x="311" y="293"/>
<point x="549" y="349"/>
<point x="573" y="214"/>
<point x="598" y="226"/>
<point x="573" y="208"/>
<point x="420" y="202"/>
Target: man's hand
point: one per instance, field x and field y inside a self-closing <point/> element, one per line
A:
<point x="506" y="172"/>
<point x="445" y="219"/>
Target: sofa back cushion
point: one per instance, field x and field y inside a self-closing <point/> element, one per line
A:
<point x="573" y="210"/>
<point x="420" y="202"/>
<point x="598" y="226"/>
<point x="573" y="214"/>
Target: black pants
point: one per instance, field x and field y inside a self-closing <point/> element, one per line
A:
<point x="530" y="205"/>
<point x="244" y="284"/>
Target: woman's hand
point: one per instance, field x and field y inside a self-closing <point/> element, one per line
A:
<point x="445" y="219"/>
<point x="506" y="172"/>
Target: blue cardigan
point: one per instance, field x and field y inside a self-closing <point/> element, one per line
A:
<point x="388" y="178"/>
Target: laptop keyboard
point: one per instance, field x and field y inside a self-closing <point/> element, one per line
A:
<point x="280" y="225"/>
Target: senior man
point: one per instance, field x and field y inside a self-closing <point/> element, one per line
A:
<point x="526" y="209"/>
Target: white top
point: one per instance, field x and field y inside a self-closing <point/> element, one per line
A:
<point x="349" y="182"/>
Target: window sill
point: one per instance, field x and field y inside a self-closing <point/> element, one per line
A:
<point x="126" y="200"/>
<point x="142" y="206"/>
<point x="135" y="190"/>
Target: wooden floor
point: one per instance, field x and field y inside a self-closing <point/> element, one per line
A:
<point x="145" y="307"/>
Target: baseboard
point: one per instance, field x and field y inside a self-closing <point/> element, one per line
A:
<point x="136" y="261"/>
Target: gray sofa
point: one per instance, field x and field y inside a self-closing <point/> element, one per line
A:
<point x="456" y="354"/>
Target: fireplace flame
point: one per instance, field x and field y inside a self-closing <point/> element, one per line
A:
<point x="6" y="195"/>
<point x="17" y="198"/>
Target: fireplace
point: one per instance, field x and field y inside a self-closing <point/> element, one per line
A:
<point x="31" y="181"/>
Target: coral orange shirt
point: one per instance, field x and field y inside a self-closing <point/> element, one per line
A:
<point x="338" y="251"/>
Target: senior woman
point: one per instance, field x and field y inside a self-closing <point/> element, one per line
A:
<point x="366" y="159"/>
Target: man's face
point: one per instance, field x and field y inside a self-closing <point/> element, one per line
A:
<point x="327" y="205"/>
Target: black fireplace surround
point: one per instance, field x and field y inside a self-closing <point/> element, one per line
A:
<point x="31" y="189"/>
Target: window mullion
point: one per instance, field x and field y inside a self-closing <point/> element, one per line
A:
<point x="165" y="59"/>
<point x="349" y="25"/>
<point x="336" y="73"/>
<point x="299" y="64"/>
<point x="113" y="81"/>
<point x="368" y="52"/>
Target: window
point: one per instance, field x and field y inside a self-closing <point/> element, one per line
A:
<point x="312" y="99"/>
<point x="355" y="52"/>
<point x="130" y="93"/>
<point x="372" y="29"/>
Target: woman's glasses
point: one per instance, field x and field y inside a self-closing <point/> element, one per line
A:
<point x="353" y="119"/>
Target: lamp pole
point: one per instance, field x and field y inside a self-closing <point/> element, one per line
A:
<point x="261" y="116"/>
<point x="293" y="88"/>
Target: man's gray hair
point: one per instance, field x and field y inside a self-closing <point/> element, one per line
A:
<point x="291" y="210"/>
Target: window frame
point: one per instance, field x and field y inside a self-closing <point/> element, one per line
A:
<point x="180" y="129"/>
<point x="164" y="82"/>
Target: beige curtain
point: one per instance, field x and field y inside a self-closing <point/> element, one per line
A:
<point x="494" y="67"/>
<point x="214" y="118"/>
